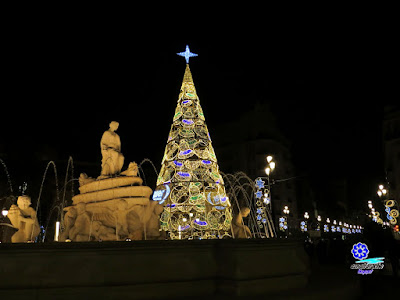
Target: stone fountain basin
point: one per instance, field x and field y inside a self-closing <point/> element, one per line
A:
<point x="113" y="193"/>
<point x="109" y="183"/>
<point x="152" y="269"/>
<point x="111" y="204"/>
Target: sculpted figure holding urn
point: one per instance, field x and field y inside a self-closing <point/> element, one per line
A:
<point x="240" y="230"/>
<point x="23" y="217"/>
<point x="113" y="159"/>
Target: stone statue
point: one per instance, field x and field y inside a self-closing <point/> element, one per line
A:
<point x="115" y="205"/>
<point x="120" y="217"/>
<point x="101" y="232"/>
<point x="69" y="221"/>
<point x="110" y="144"/>
<point x="85" y="179"/>
<point x="23" y="217"/>
<point x="153" y="223"/>
<point x="241" y="231"/>
<point x="132" y="170"/>
<point x="144" y="221"/>
<point x="81" y="229"/>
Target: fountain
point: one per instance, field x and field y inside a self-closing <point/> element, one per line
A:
<point x="115" y="206"/>
<point x="239" y="184"/>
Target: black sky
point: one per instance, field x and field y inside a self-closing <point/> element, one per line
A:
<point x="326" y="86"/>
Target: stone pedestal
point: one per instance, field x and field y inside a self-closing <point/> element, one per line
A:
<point x="112" y="209"/>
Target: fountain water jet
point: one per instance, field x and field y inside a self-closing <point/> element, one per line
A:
<point x="142" y="171"/>
<point x="240" y="184"/>
<point x="41" y="186"/>
<point x="63" y="203"/>
<point x="8" y="175"/>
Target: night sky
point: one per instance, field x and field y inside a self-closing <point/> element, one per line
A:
<point x="326" y="88"/>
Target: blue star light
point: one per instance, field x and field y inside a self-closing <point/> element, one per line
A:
<point x="259" y="194"/>
<point x="260" y="183"/>
<point x="187" y="54"/>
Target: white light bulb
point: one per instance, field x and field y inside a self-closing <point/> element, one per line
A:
<point x="272" y="165"/>
<point x="267" y="171"/>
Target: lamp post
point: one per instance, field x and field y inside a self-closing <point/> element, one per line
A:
<point x="304" y="224"/>
<point x="263" y="200"/>
<point x="391" y="207"/>
<point x="286" y="211"/>
<point x="268" y="170"/>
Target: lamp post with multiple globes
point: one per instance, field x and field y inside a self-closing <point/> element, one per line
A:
<point x="263" y="200"/>
<point x="391" y="208"/>
<point x="286" y="211"/>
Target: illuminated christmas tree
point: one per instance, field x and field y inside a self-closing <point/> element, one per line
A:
<point x="190" y="185"/>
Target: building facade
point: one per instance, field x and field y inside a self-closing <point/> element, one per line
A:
<point x="391" y="143"/>
<point x="253" y="137"/>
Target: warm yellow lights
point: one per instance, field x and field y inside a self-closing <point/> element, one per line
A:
<point x="57" y="233"/>
<point x="272" y="165"/>
<point x="382" y="191"/>
<point x="267" y="171"/>
<point x="197" y="205"/>
<point x="286" y="210"/>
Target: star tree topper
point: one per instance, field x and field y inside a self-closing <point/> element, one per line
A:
<point x="187" y="54"/>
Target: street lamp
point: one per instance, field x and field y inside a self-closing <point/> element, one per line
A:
<point x="303" y="224"/>
<point x="263" y="199"/>
<point x="4" y="212"/>
<point x="270" y="165"/>
<point x="286" y="210"/>
<point x="390" y="205"/>
<point x="382" y="191"/>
